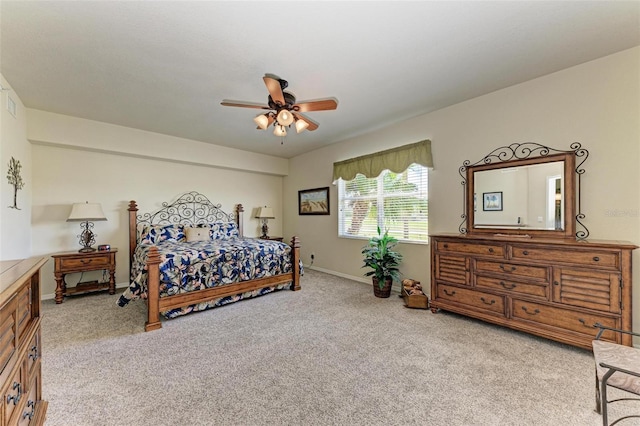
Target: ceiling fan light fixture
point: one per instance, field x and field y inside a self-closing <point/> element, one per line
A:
<point x="262" y="120"/>
<point x="280" y="131"/>
<point x="301" y="125"/>
<point x="284" y="117"/>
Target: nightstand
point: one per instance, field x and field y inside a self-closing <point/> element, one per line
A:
<point x="272" y="238"/>
<point x="75" y="262"/>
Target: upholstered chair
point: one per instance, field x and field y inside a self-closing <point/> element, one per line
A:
<point x="617" y="366"/>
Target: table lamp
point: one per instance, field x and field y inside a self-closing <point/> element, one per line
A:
<point x="265" y="213"/>
<point x="86" y="213"/>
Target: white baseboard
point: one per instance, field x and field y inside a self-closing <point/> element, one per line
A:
<point x="365" y="280"/>
<point x="53" y="295"/>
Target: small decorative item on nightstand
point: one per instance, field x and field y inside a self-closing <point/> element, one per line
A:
<point x="265" y="213"/>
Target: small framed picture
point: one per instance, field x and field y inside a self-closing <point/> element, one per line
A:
<point x="491" y="201"/>
<point x="313" y="201"/>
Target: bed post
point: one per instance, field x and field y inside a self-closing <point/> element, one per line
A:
<point x="153" y="290"/>
<point x="133" y="229"/>
<point x="295" y="252"/>
<point x="239" y="219"/>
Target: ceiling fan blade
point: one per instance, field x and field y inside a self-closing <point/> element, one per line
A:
<point x="312" y="124"/>
<point x="317" y="105"/>
<point x="243" y="104"/>
<point x="274" y="88"/>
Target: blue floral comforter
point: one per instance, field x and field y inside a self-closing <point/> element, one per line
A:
<point x="192" y="266"/>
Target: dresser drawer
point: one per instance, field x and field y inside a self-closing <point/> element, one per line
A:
<point x="31" y="404"/>
<point x="33" y="353"/>
<point x="579" y="322"/>
<point x="90" y="263"/>
<point x="598" y="258"/>
<point x="477" y="299"/>
<point x="12" y="394"/>
<point x="513" y="287"/>
<point x="537" y="273"/>
<point x="495" y="250"/>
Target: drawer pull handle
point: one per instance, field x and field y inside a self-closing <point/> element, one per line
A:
<point x="596" y="259"/>
<point x="535" y="311"/>
<point x="490" y="249"/>
<point x="525" y="253"/>
<point x="15" y="398"/>
<point x="487" y="303"/>
<point x="86" y="261"/>
<point x="584" y="323"/>
<point x="447" y="292"/>
<point x="34" y="355"/>
<point x="446" y="245"/>
<point x="32" y="405"/>
<point x="508" y="287"/>
<point x="556" y="283"/>
<point x="508" y="269"/>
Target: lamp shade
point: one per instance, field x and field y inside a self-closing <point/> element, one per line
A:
<point x="280" y="131"/>
<point x="265" y="213"/>
<point x="284" y="117"/>
<point x="81" y="212"/>
<point x="301" y="125"/>
<point x="262" y="121"/>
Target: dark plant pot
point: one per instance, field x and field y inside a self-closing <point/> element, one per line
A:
<point x="383" y="292"/>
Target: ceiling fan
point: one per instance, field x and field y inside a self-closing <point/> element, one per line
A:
<point x="283" y="109"/>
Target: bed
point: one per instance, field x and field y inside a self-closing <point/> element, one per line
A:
<point x="190" y="256"/>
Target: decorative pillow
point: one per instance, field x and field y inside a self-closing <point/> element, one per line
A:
<point x="154" y="234"/>
<point x="200" y="233"/>
<point x="224" y="230"/>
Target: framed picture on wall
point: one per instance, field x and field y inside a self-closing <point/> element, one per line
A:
<point x="313" y="201"/>
<point x="491" y="201"/>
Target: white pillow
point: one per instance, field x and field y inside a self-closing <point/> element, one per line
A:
<point x="197" y="234"/>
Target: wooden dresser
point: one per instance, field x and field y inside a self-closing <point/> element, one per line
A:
<point x="20" y="347"/>
<point x="554" y="288"/>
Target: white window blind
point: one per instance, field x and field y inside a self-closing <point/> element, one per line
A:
<point x="394" y="201"/>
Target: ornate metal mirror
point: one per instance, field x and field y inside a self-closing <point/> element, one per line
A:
<point x="524" y="189"/>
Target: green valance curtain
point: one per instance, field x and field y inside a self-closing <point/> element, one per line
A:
<point x="395" y="159"/>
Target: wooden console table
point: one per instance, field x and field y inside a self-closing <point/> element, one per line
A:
<point x="75" y="262"/>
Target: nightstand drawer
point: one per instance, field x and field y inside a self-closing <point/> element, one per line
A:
<point x="86" y="262"/>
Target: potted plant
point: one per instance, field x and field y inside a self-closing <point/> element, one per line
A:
<point x="383" y="260"/>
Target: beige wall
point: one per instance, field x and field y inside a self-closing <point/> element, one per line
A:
<point x="596" y="104"/>
<point x="67" y="171"/>
<point x="15" y="225"/>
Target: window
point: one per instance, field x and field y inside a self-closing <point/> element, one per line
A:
<point x="394" y="201"/>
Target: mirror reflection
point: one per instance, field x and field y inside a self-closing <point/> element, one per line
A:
<point x="527" y="197"/>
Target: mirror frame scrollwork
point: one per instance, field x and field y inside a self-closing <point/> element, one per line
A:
<point x="518" y="154"/>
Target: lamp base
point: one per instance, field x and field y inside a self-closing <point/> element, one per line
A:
<point x="87" y="237"/>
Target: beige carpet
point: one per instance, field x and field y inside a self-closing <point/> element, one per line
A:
<point x="331" y="354"/>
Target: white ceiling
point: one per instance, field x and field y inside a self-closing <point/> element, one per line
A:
<point x="165" y="66"/>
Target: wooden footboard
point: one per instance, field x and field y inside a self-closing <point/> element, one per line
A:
<point x="155" y="304"/>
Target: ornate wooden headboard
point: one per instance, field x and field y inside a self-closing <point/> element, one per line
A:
<point x="190" y="208"/>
